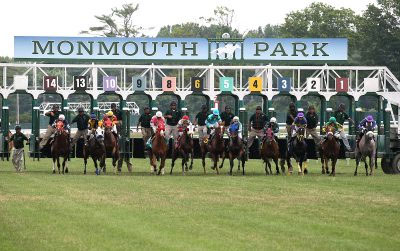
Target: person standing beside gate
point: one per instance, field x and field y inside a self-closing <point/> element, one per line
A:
<point x="82" y="122"/>
<point x="200" y="121"/>
<point x="144" y="122"/>
<point x="291" y="115"/>
<point x="227" y="117"/>
<point x="117" y="113"/>
<point x="257" y="123"/>
<point x="53" y="116"/>
<point x="173" y="116"/>
<point x="341" y="116"/>
<point x="312" y="122"/>
<point x="18" y="152"/>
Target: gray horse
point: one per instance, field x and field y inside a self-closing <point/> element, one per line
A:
<point x="366" y="148"/>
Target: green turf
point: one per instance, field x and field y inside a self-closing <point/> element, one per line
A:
<point x="42" y="211"/>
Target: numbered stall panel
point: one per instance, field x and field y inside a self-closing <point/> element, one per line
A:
<point x="110" y="83"/>
<point x="284" y="84"/>
<point x="197" y="84"/>
<point x="20" y="82"/>
<point x="313" y="84"/>
<point x="80" y="83"/>
<point x="226" y="84"/>
<point x="139" y="83"/>
<point x="371" y="85"/>
<point x="342" y="84"/>
<point x="255" y="84"/>
<point x="50" y="83"/>
<point x="169" y="84"/>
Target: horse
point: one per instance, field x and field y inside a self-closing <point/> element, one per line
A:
<point x="235" y="150"/>
<point x="298" y="150"/>
<point x="329" y="150"/>
<point x="60" y="148"/>
<point x="216" y="148"/>
<point x="184" y="148"/>
<point x="111" y="145"/>
<point x="158" y="151"/>
<point x="270" y="150"/>
<point x="95" y="148"/>
<point x="366" y="148"/>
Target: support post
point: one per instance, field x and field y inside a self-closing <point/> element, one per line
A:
<point x="65" y="109"/>
<point x="352" y="129"/>
<point x="386" y="126"/>
<point x="244" y="119"/>
<point x="323" y="118"/>
<point x="5" y="126"/>
<point x="34" y="138"/>
<point x="379" y="116"/>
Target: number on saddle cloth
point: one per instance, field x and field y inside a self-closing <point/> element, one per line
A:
<point x="234" y="128"/>
<point x="108" y="123"/>
<point x="60" y="125"/>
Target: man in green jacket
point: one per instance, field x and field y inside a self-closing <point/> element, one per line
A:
<point x="18" y="152"/>
<point x="82" y="122"/>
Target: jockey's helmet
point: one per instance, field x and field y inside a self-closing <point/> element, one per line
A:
<point x="370" y="118"/>
<point x="93" y="116"/>
<point x="332" y="120"/>
<point x="17" y="127"/>
<point x="186" y="117"/>
<point x="272" y="120"/>
<point x="61" y="117"/>
<point x="215" y="112"/>
<point x="300" y="115"/>
<point x="159" y="114"/>
<point x="109" y="114"/>
<point x="235" y="119"/>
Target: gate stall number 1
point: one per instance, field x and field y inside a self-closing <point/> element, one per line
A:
<point x="110" y="83"/>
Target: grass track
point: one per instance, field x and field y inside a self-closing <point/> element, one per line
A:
<point x="41" y="211"/>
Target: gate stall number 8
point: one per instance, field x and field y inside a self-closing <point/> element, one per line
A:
<point x="169" y="84"/>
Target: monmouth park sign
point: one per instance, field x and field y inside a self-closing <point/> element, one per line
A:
<point x="199" y="49"/>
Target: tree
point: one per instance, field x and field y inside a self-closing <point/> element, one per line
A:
<point x="117" y="24"/>
<point x="223" y="17"/>
<point x="268" y="31"/>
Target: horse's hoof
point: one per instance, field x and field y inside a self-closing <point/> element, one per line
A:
<point x="355" y="174"/>
<point x="323" y="171"/>
<point x="305" y="171"/>
<point x="66" y="170"/>
<point x="332" y="174"/>
<point x="300" y="173"/>
<point x="212" y="168"/>
<point x="190" y="167"/>
<point x="278" y="173"/>
<point x="54" y="171"/>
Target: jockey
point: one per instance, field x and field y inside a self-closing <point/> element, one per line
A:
<point x="184" y="122"/>
<point x="367" y="123"/>
<point x="61" y="122"/>
<point x="110" y="120"/>
<point x="94" y="124"/>
<point x="213" y="120"/>
<point x="334" y="124"/>
<point x="274" y="126"/>
<point x="236" y="126"/>
<point x="299" y="121"/>
<point x="157" y="121"/>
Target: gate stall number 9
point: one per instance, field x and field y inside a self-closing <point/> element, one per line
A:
<point x="139" y="83"/>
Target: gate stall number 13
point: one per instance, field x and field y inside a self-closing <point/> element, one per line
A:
<point x="80" y="82"/>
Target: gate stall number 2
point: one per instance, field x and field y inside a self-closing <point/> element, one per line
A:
<point x="110" y="83"/>
<point x="313" y="84"/>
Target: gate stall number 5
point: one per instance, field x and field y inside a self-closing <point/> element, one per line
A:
<point x="226" y="84"/>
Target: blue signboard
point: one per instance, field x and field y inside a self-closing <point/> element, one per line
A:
<point x="284" y="84"/>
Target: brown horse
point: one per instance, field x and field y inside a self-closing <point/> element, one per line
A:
<point x="60" y="148"/>
<point x="184" y="148"/>
<point x="95" y="148"/>
<point x="158" y="151"/>
<point x="235" y="151"/>
<point x="270" y="150"/>
<point x="111" y="145"/>
<point x="216" y="148"/>
<point x="329" y="150"/>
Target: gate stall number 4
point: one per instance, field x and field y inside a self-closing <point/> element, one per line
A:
<point x="255" y="84"/>
<point x="110" y="83"/>
<point x="50" y="83"/>
<point x="169" y="84"/>
<point x="80" y="82"/>
<point x="226" y="84"/>
<point x="313" y="84"/>
<point x="139" y="83"/>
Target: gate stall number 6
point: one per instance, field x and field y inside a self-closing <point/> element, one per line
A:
<point x="110" y="83"/>
<point x="80" y="83"/>
<point x="139" y="83"/>
<point x="313" y="84"/>
<point x="169" y="84"/>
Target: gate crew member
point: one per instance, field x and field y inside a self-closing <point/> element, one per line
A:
<point x="227" y="117"/>
<point x="291" y="115"/>
<point x="144" y="122"/>
<point x="173" y="116"/>
<point x="341" y="117"/>
<point x="82" y="121"/>
<point x="200" y="121"/>
<point x="257" y="123"/>
<point x="118" y="114"/>
<point x="53" y="115"/>
<point x="312" y="122"/>
<point x="18" y="152"/>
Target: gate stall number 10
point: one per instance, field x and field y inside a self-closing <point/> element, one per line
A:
<point x="110" y="83"/>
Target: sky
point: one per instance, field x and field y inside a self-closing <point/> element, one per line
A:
<point x="69" y="17"/>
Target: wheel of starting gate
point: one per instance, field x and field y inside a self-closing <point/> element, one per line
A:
<point x="386" y="165"/>
<point x="396" y="164"/>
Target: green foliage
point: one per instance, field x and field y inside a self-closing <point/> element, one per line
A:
<point x="268" y="31"/>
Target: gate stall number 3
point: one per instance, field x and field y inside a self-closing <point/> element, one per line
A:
<point x="284" y="84"/>
<point x="313" y="84"/>
<point x="139" y="83"/>
<point x="110" y="83"/>
<point x="50" y="83"/>
<point x="80" y="83"/>
<point x="255" y="84"/>
<point x="169" y="84"/>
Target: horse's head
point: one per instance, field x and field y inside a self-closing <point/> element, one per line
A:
<point x="369" y="135"/>
<point x="300" y="134"/>
<point x="330" y="132"/>
<point x="219" y="131"/>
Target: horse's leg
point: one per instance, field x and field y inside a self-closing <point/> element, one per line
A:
<point x="172" y="162"/>
<point x="95" y="165"/>
<point x="270" y="166"/>
<point x="223" y="160"/>
<point x="185" y="159"/>
<point x="276" y="165"/>
<point x="366" y="165"/>
<point x="54" y="165"/>
<point x="184" y="163"/>
<point x="162" y="164"/>
<point x="191" y="159"/>
<point x="300" y="166"/>
<point x="266" y="166"/>
<point x="58" y="164"/>
<point x="372" y="163"/>
<point x="322" y="164"/>
<point x="203" y="161"/>
<point x="64" y="164"/>
<point x="357" y="164"/>
<point x="243" y="160"/>
<point x="230" y="163"/>
<point x="333" y="173"/>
